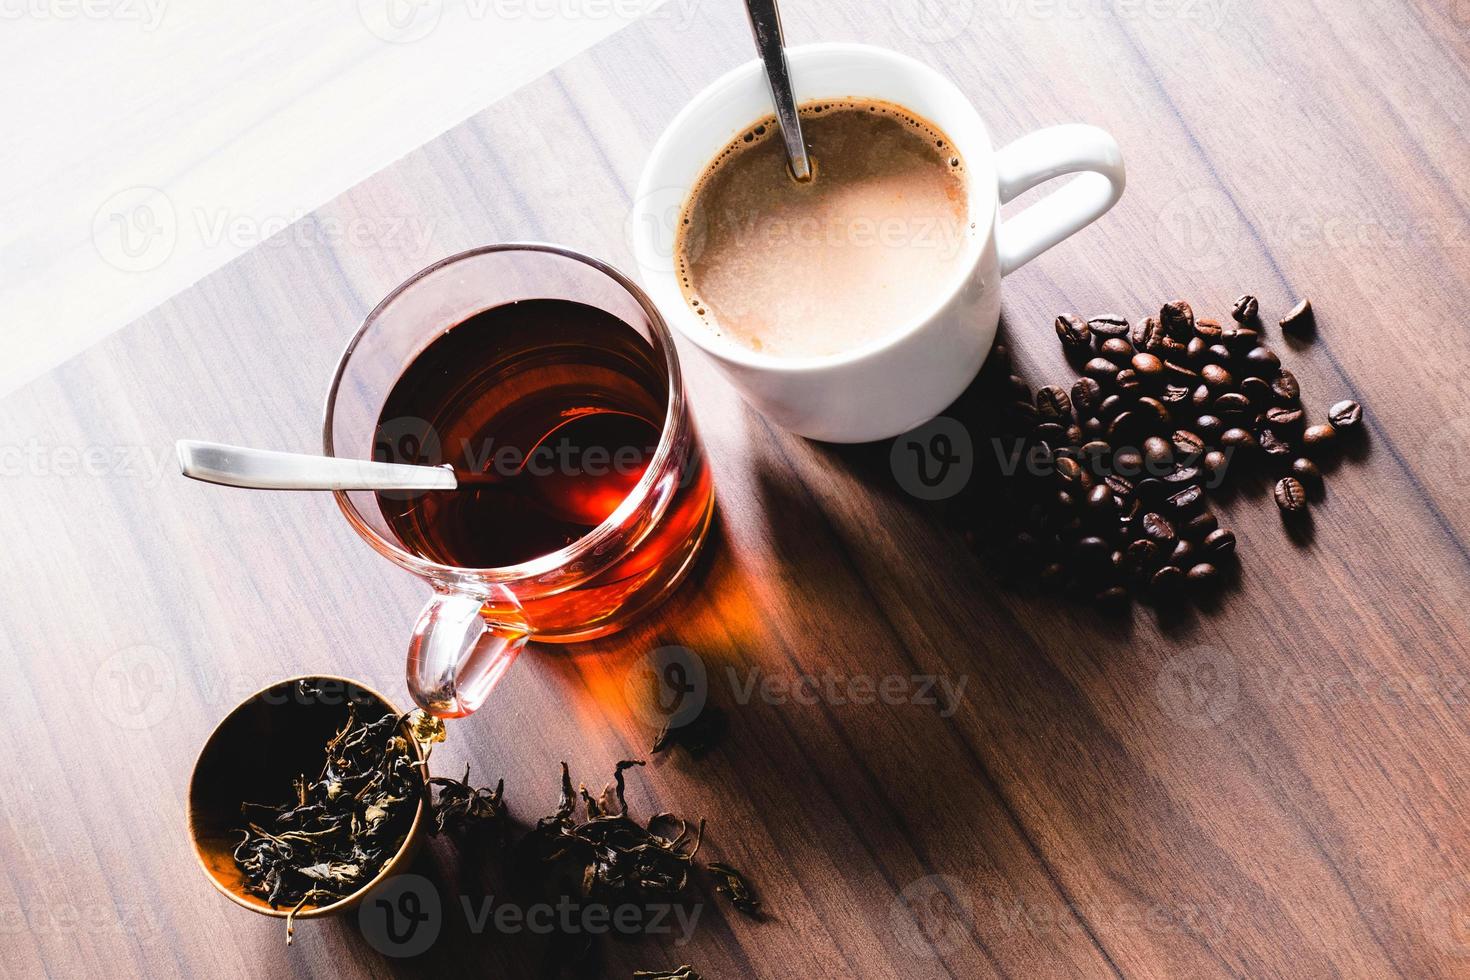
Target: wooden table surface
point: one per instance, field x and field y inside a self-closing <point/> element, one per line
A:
<point x="1269" y="787"/>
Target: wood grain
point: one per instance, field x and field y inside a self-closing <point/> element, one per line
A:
<point x="1268" y="787"/>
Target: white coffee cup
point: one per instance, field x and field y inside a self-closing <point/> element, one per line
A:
<point x="913" y="371"/>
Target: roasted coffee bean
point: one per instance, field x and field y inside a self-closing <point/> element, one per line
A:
<point x="1284" y="418"/>
<point x="1300" y="320"/>
<point x="1065" y="500"/>
<point x="1097" y="449"/>
<point x="1146" y="334"/>
<point x="1182" y="373"/>
<point x="1101" y="369"/>
<point x="1073" y="333"/>
<point x="1257" y="390"/>
<point x="1117" y="350"/>
<point x="1074" y="435"/>
<point x="1091" y="551"/>
<point x="1203" y="576"/>
<point x="1151" y="489"/>
<point x="1143" y="553"/>
<point x="1128" y="462"/>
<point x="1200" y="525"/>
<point x="1174" y="394"/>
<point x="1093" y="427"/>
<point x="1214" y="462"/>
<point x="1216" y="377"/>
<point x="1240" y="339"/>
<point x="1154" y="410"/>
<point x="1125" y="424"/>
<point x="1308" y="475"/>
<point x="1052" y="403"/>
<point x="1110" y="407"/>
<point x="1183" y="554"/>
<point x="1245" y="308"/>
<point x="1180" y="475"/>
<point x="1290" y="495"/>
<point x="1147" y="366"/>
<point x="1318" y="439"/>
<point x="1167" y="581"/>
<point x="1218" y="543"/>
<point x="1157" y="528"/>
<point x="1023" y="412"/>
<point x="1209" y="427"/>
<point x="1188" y="499"/>
<point x="1128" y="381"/>
<point x="1113" y="600"/>
<point x="1346" y="414"/>
<point x="1020" y="390"/>
<point x="1200" y="397"/>
<point x="1086" y="393"/>
<point x="1232" y="403"/>
<point x="1187" y="444"/>
<point x="1218" y="353"/>
<point x="1100" y="501"/>
<point x="1053" y="577"/>
<point x="1120" y="486"/>
<point x="1194" y="351"/>
<point x="1051" y="433"/>
<point x="1109" y="325"/>
<point x="1274" y="445"/>
<point x="1158" y="453"/>
<point x="1069" y="471"/>
<point x="1285" y="386"/>
<point x="1238" y="438"/>
<point x="1207" y="330"/>
<point x="1261" y="362"/>
<point x="1178" y="320"/>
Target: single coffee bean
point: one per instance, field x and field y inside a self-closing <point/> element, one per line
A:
<point x="1158" y="453"/>
<point x="1207" y="330"/>
<point x="1153" y="409"/>
<point x="1257" y="390"/>
<point x="1074" y="434"/>
<point x="1065" y="500"/>
<point x="1109" y="325"/>
<point x="1113" y="600"/>
<point x="1146" y="334"/>
<point x="1128" y="462"/>
<point x="1069" y="471"/>
<point x="1053" y="403"/>
<point x="1180" y="475"/>
<point x="1203" y="576"/>
<point x="1300" y="319"/>
<point x="1174" y="394"/>
<point x="1200" y="397"/>
<point x="1201" y="525"/>
<point x="1238" y="438"/>
<point x="1219" y="543"/>
<point x="1218" y="353"/>
<point x="1274" y="445"/>
<point x="1183" y="554"/>
<point x="1178" y="320"/>
<point x="1091" y="551"/>
<point x="1187" y="444"/>
<point x="1052" y="433"/>
<point x="1167" y="581"/>
<point x="1147" y="366"/>
<point x="1286" y="387"/>
<point x="1101" y="369"/>
<point x="1121" y="486"/>
<point x="1100" y="500"/>
<point x="1143" y="553"/>
<point x="1240" y="339"/>
<point x="1317" y="439"/>
<point x="1126" y="423"/>
<point x="1214" y="462"/>
<point x="1308" y="475"/>
<point x="1245" y="308"/>
<point x="1151" y="489"/>
<point x="1086" y="393"/>
<point x="1346" y="414"/>
<point x="1073" y="333"/>
<point x="1209" y="427"/>
<point x="1262" y="362"/>
<point x="1290" y="495"/>
<point x="1095" y="450"/>
<point x="1180" y="372"/>
<point x="1128" y="381"/>
<point x="1158" y="528"/>
<point x="1109" y="407"/>
<point x="1023" y="412"/>
<point x="1053" y="577"/>
<point x="1117" y="350"/>
<point x="1194" y="351"/>
<point x="1020" y="390"/>
<point x="1216" y="377"/>
<point x="1284" y="418"/>
<point x="1232" y="403"/>
<point x="1188" y="499"/>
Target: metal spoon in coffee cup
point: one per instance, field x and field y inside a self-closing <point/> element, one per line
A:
<point x="765" y="24"/>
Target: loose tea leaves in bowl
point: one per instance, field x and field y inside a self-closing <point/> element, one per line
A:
<point x="333" y="834"/>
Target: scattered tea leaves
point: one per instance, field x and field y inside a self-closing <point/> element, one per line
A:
<point x="462" y="809"/>
<point x="732" y="885"/>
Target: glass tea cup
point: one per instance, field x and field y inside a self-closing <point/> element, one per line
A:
<point x="478" y="619"/>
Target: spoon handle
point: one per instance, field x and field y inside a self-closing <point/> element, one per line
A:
<point x="264" y="469"/>
<point x="765" y="23"/>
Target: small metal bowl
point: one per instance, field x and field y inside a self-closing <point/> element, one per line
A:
<point x="253" y="755"/>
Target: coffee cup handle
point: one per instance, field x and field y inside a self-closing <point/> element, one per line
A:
<point x="1040" y="156"/>
<point x="462" y="645"/>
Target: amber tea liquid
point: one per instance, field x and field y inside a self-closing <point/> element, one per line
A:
<point x="552" y="410"/>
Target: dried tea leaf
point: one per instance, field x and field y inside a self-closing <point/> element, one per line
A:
<point x="462" y="809"/>
<point x="685" y="972"/>
<point x="732" y="885"/>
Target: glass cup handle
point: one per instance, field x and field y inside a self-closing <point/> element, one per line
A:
<point x="462" y="645"/>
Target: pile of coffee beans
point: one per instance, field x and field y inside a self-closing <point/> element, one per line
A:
<point x="1116" y="471"/>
